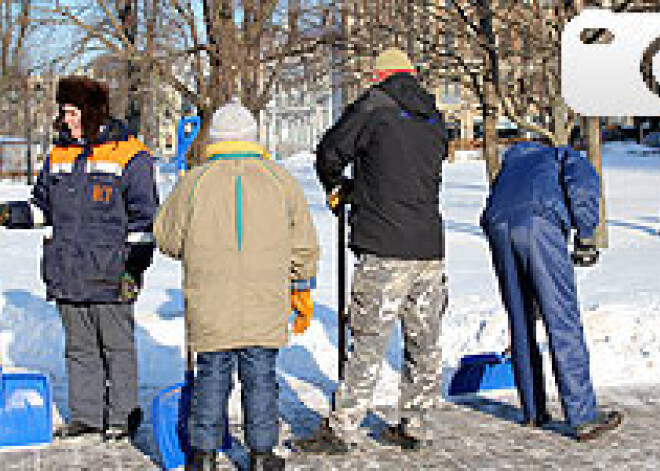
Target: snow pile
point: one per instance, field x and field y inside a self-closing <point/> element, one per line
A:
<point x="620" y="297"/>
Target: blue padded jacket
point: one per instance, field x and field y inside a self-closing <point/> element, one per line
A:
<point x="558" y="184"/>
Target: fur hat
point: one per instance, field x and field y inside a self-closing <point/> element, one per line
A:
<point x="91" y="97"/>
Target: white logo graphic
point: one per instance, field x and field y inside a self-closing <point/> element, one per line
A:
<point x="621" y="78"/>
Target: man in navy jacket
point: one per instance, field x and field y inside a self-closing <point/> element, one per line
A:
<point x="540" y="194"/>
<point x="97" y="192"/>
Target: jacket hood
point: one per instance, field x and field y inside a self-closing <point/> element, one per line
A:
<point x="408" y="94"/>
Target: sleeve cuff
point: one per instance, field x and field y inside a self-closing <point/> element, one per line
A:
<point x="140" y="238"/>
<point x="303" y="285"/>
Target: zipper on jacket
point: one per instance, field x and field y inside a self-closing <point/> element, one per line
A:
<point x="239" y="212"/>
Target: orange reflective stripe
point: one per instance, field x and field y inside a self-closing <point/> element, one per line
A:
<point x="64" y="155"/>
<point x="119" y="153"/>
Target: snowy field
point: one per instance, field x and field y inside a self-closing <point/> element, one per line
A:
<point x="620" y="297"/>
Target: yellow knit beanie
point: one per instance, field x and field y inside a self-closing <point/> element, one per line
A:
<point x="393" y="59"/>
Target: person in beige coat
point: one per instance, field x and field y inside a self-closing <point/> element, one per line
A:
<point x="242" y="227"/>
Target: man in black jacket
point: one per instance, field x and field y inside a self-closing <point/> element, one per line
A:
<point x="395" y="139"/>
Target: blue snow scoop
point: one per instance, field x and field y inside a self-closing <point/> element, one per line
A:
<point x="25" y="410"/>
<point x="185" y="140"/>
<point x="170" y="412"/>
<point x="483" y="372"/>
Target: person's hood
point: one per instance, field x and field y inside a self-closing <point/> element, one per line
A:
<point x="113" y="131"/>
<point x="406" y="91"/>
<point x="524" y="150"/>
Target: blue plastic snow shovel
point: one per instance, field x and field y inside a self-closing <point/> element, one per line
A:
<point x="25" y="410"/>
<point x="185" y="138"/>
<point x="483" y="372"/>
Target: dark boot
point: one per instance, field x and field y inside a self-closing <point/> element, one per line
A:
<point x="605" y="422"/>
<point x="539" y="421"/>
<point x="203" y="461"/>
<point x="76" y="429"/>
<point x="395" y="435"/>
<point x="265" y="461"/>
<point x="116" y="433"/>
<point x="324" y="441"/>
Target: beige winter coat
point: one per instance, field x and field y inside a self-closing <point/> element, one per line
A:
<point x="243" y="230"/>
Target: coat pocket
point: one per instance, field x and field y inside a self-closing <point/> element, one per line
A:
<point x="106" y="263"/>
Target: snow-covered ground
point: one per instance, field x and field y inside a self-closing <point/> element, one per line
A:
<point x="620" y="297"/>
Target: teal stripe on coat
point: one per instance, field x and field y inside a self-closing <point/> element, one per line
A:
<point x="239" y="212"/>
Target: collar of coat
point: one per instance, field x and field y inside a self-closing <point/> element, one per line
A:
<point x="227" y="150"/>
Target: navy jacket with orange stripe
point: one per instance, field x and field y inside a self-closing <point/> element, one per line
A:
<point x="100" y="200"/>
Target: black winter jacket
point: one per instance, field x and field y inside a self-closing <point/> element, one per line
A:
<point x="396" y="140"/>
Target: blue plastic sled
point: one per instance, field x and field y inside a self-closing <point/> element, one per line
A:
<point x="25" y="410"/>
<point x="169" y="418"/>
<point x="484" y="372"/>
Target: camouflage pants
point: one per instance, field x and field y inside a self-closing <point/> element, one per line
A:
<point x="385" y="291"/>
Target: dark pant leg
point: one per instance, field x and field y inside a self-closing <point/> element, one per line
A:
<point x="210" y="398"/>
<point x="117" y="332"/>
<point x="510" y="271"/>
<point x="84" y="364"/>
<point x="256" y="370"/>
<point x="554" y="280"/>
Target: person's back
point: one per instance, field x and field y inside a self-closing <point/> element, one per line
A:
<point x="397" y="140"/>
<point x="557" y="184"/>
<point x="238" y="248"/>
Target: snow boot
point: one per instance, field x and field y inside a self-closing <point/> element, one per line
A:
<point x="203" y="461"/>
<point x="324" y="441"/>
<point x="603" y="423"/>
<point x="395" y="435"/>
<point x="115" y="433"/>
<point x="77" y="429"/>
<point x="265" y="461"/>
<point x="539" y="421"/>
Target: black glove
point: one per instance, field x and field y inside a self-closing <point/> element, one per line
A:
<point x="341" y="195"/>
<point x="5" y="213"/>
<point x="138" y="260"/>
<point x="585" y="252"/>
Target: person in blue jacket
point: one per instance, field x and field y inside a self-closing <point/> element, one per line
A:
<point x="97" y="191"/>
<point x="539" y="196"/>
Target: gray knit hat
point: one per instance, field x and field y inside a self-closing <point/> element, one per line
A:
<point x="233" y="122"/>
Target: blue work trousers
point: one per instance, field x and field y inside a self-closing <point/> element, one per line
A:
<point x="535" y="272"/>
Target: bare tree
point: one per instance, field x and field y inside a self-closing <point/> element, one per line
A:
<point x="207" y="50"/>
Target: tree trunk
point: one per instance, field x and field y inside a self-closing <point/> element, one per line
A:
<point x="489" y="143"/>
<point x="559" y="112"/>
<point x="595" y="154"/>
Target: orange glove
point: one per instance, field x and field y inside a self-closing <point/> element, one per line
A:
<point x="302" y="304"/>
